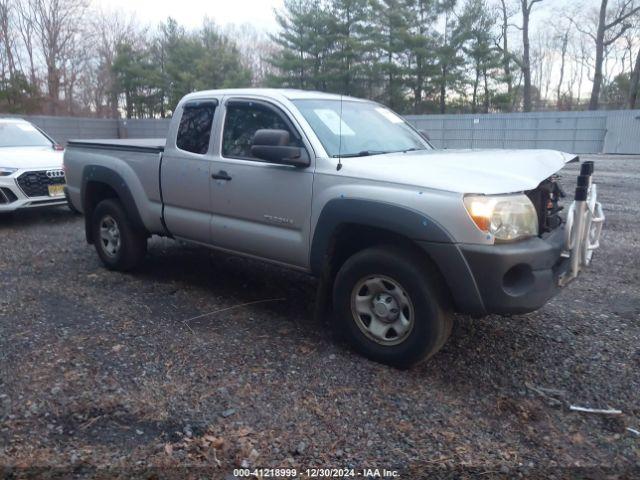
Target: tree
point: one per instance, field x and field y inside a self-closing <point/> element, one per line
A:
<point x="219" y="65"/>
<point x="611" y="25"/>
<point x="634" y="83"/>
<point x="347" y="39"/>
<point x="303" y="44"/>
<point x="564" y="42"/>
<point x="449" y="55"/>
<point x="129" y="72"/>
<point x="525" y="64"/>
<point x="389" y="40"/>
<point x="503" y="45"/>
<point x="616" y="92"/>
<point x="421" y="45"/>
<point x="108" y="30"/>
<point x="255" y="49"/>
<point x="6" y="37"/>
<point x="478" y="24"/>
<point x="56" y="23"/>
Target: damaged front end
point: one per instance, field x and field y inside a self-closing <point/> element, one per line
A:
<point x="582" y="223"/>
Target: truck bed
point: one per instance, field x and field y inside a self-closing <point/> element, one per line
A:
<point x="127" y="164"/>
<point x="152" y="145"/>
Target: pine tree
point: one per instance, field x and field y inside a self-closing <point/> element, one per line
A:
<point x="422" y="46"/>
<point x="389" y="38"/>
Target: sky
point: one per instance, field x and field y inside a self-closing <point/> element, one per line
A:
<point x="191" y="13"/>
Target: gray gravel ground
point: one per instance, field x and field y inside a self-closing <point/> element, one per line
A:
<point x="102" y="369"/>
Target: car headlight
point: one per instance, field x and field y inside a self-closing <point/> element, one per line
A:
<point x="4" y="172"/>
<point x="506" y="217"/>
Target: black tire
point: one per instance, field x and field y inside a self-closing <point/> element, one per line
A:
<point x="418" y="278"/>
<point x="133" y="242"/>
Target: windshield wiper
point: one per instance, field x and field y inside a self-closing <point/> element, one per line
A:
<point x="412" y="149"/>
<point x="363" y="153"/>
<point x="366" y="153"/>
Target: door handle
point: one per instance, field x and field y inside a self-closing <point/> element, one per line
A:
<point x="221" y="175"/>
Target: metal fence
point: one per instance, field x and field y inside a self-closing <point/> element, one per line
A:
<point x="63" y="129"/>
<point x="613" y="131"/>
<point x="616" y="131"/>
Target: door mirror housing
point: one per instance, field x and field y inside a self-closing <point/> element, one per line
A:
<point x="273" y="146"/>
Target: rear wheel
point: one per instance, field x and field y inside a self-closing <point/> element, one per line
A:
<point x="390" y="306"/>
<point x="119" y="245"/>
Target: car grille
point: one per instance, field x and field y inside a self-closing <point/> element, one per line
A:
<point x="7" y="196"/>
<point x="35" y="184"/>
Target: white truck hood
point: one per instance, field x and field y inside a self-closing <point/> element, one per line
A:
<point x="464" y="171"/>
<point x="30" y="157"/>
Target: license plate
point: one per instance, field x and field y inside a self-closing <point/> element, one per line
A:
<point x="56" y="190"/>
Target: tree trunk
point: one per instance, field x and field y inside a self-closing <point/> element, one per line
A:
<point x="526" y="64"/>
<point x="506" y="60"/>
<point x="486" y="90"/>
<point x="565" y="41"/>
<point x="474" y="98"/>
<point x="53" y="88"/>
<point x="129" y="105"/>
<point x="597" y="75"/>
<point x="634" y="85"/>
<point x="443" y="89"/>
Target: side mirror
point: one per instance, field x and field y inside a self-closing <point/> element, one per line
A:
<point x="273" y="146"/>
<point x="424" y="134"/>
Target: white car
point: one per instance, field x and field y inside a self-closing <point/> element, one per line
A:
<point x="31" y="173"/>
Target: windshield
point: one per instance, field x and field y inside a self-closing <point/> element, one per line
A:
<point x="366" y="128"/>
<point x="22" y="135"/>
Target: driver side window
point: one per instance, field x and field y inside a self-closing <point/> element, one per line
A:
<point x="242" y="121"/>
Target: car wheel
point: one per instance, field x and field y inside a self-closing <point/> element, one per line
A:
<point x="119" y="245"/>
<point x="390" y="306"/>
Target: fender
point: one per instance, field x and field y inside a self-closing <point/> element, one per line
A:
<point x="428" y="234"/>
<point x="111" y="178"/>
<point x="401" y="220"/>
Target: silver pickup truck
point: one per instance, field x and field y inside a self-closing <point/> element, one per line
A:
<point x="399" y="234"/>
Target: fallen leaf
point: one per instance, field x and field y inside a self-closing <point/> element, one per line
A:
<point x="215" y="442"/>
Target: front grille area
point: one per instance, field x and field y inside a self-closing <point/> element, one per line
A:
<point x="35" y="184"/>
<point x="7" y="196"/>
<point x="546" y="198"/>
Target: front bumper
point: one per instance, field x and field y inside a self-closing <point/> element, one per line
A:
<point x="12" y="196"/>
<point x="517" y="277"/>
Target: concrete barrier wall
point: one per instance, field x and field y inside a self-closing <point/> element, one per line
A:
<point x="615" y="131"/>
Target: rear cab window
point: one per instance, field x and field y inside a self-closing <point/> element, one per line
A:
<point x="194" y="130"/>
<point x="243" y="118"/>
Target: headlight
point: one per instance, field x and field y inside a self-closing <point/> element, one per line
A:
<point x="6" y="171"/>
<point x="506" y="217"/>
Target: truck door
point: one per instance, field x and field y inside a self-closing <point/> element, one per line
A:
<point x="184" y="177"/>
<point x="259" y="208"/>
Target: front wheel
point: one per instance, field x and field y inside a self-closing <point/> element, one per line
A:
<point x="119" y="245"/>
<point x="390" y="306"/>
